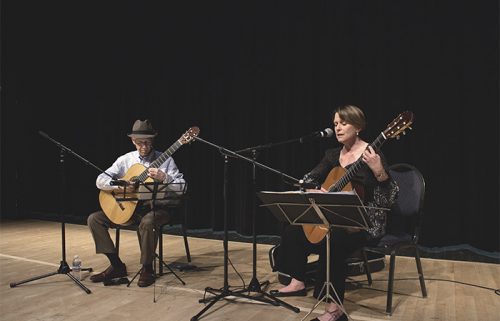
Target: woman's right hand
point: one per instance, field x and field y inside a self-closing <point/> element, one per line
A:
<point x="311" y="190"/>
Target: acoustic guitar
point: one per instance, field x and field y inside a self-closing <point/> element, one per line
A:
<point x="120" y="211"/>
<point x="339" y="179"/>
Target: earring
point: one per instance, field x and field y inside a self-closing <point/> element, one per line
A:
<point x="357" y="133"/>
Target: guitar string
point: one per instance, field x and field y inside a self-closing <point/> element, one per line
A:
<point x="160" y="160"/>
<point x="346" y="178"/>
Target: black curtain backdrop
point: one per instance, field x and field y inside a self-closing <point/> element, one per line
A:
<point x="250" y="73"/>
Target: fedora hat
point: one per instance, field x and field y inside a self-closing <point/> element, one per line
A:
<point x="142" y="129"/>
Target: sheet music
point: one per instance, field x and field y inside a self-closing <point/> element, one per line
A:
<point x="145" y="191"/>
<point x="166" y="192"/>
<point x="341" y="209"/>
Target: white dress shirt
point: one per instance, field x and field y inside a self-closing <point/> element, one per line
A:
<point x="124" y="162"/>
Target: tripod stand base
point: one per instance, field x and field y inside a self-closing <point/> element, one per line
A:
<point x="256" y="287"/>
<point x="157" y="275"/>
<point x="182" y="266"/>
<point x="162" y="263"/>
<point x="63" y="269"/>
<point x="223" y="293"/>
<point x="327" y="298"/>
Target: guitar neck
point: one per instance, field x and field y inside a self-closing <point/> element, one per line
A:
<point x="356" y="166"/>
<point x="160" y="160"/>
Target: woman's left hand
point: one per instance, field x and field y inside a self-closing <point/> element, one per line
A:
<point x="372" y="159"/>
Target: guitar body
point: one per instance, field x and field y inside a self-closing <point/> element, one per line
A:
<point x="316" y="233"/>
<point x="335" y="174"/>
<point x="121" y="212"/>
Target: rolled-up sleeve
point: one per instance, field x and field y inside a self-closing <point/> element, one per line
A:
<point x="174" y="177"/>
<point x="116" y="171"/>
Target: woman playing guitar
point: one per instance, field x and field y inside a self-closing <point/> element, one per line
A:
<point x="354" y="165"/>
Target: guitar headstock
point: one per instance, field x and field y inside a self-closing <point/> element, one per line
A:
<point x="189" y="135"/>
<point x="399" y="125"/>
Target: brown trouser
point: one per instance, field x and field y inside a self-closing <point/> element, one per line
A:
<point x="99" y="224"/>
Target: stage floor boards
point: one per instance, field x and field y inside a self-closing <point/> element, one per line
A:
<point x="32" y="248"/>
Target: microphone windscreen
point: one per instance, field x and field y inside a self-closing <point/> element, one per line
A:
<point x="329" y="132"/>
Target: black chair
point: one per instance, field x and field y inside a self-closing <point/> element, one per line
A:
<point x="403" y="225"/>
<point x="178" y="208"/>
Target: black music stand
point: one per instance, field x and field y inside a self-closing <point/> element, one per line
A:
<point x="255" y="285"/>
<point x="63" y="265"/>
<point x="225" y="291"/>
<point x="341" y="209"/>
<point x="152" y="191"/>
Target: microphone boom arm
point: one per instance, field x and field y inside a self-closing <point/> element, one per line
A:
<point x="327" y="132"/>
<point x="64" y="148"/>
<point x="225" y="151"/>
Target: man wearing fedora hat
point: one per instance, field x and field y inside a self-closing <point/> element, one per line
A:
<point x="142" y="136"/>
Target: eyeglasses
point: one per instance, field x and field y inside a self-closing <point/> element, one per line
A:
<point x="143" y="142"/>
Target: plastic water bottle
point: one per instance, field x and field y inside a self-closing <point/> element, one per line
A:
<point x="77" y="267"/>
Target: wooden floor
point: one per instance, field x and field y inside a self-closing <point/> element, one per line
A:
<point x="33" y="248"/>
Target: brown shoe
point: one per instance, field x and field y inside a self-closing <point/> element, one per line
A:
<point x="146" y="278"/>
<point x="110" y="273"/>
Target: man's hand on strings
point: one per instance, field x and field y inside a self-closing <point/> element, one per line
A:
<point x="157" y="174"/>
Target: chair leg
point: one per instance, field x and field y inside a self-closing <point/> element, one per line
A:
<point x="186" y="244"/>
<point x="367" y="267"/>
<point x="160" y="251"/>
<point x="184" y="234"/>
<point x="420" y="272"/>
<point x="390" y="286"/>
<point x="117" y="241"/>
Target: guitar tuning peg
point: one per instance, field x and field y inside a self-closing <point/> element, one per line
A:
<point x="410" y="128"/>
<point x="404" y="132"/>
<point x="397" y="137"/>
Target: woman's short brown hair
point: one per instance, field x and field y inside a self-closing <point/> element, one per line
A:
<point x="351" y="114"/>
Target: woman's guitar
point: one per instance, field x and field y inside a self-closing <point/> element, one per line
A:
<point x="339" y="179"/>
<point x="120" y="211"/>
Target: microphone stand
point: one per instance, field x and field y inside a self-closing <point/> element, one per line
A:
<point x="225" y="291"/>
<point x="63" y="267"/>
<point x="255" y="285"/>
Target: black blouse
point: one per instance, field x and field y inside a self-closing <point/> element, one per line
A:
<point x="375" y="193"/>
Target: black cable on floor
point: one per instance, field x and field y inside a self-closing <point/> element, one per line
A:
<point x="496" y="291"/>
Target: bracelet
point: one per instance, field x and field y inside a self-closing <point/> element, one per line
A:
<point x="382" y="174"/>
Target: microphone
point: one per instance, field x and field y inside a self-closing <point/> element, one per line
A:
<point x="304" y="185"/>
<point x="327" y="132"/>
<point x="308" y="185"/>
<point x="118" y="182"/>
<point x="43" y="134"/>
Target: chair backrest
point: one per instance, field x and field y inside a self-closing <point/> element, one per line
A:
<point x="406" y="213"/>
